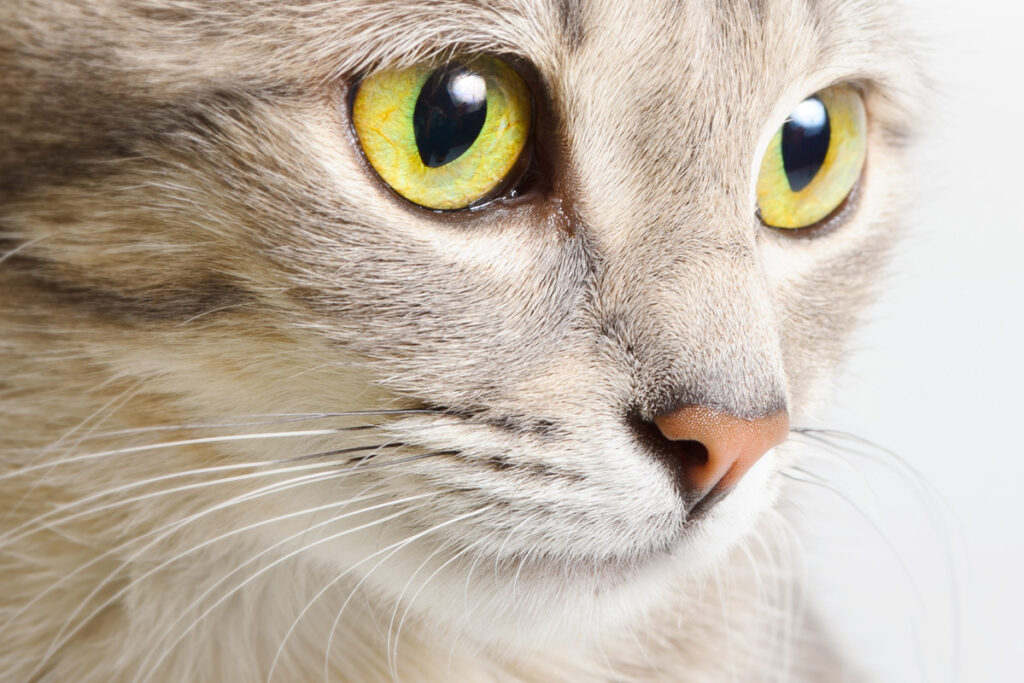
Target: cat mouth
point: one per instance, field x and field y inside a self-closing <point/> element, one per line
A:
<point x="610" y="506"/>
<point x="705" y="452"/>
<point x="598" y="572"/>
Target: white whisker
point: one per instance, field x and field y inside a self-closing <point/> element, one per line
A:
<point x="393" y="665"/>
<point x="152" y="668"/>
<point x="22" y="471"/>
<point x="263" y="419"/>
<point x="19" y="531"/>
<point x="106" y="410"/>
<point x="124" y="590"/>
<point x="393" y="548"/>
<point x="165" y="531"/>
<point x="398" y="631"/>
<point x="21" y="247"/>
<point x="804" y="477"/>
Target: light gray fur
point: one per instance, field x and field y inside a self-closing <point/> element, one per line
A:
<point x="192" y="237"/>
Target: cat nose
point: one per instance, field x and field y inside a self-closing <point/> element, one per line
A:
<point x="713" y="449"/>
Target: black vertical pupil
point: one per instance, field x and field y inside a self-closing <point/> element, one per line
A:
<point x="805" y="140"/>
<point x="449" y="114"/>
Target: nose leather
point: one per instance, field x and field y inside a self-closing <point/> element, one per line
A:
<point x="732" y="445"/>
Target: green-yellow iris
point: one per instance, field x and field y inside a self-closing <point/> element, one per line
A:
<point x="382" y="114"/>
<point x="831" y="162"/>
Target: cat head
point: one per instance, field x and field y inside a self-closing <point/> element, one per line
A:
<point x="198" y="206"/>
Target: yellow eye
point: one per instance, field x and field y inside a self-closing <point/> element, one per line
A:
<point x="814" y="160"/>
<point x="444" y="137"/>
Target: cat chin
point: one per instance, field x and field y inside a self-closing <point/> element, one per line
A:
<point x="597" y="598"/>
<point x="521" y="603"/>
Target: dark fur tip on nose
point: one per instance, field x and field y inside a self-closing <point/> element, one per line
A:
<point x="709" y="451"/>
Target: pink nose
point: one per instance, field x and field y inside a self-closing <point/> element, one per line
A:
<point x="723" y="447"/>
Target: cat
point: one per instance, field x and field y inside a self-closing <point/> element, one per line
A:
<point x="275" y="407"/>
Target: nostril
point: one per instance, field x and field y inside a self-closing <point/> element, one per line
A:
<point x="680" y="458"/>
<point x="688" y="457"/>
<point x="691" y="454"/>
<point x="708" y="451"/>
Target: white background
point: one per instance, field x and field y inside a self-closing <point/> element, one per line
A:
<point x="926" y="590"/>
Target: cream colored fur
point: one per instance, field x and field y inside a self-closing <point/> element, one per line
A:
<point x="201" y="286"/>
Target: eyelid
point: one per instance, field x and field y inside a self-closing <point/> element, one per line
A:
<point x="387" y="129"/>
<point x="821" y="197"/>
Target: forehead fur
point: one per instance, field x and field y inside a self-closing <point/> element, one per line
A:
<point x="302" y="41"/>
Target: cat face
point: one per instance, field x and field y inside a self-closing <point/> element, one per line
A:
<point x="209" y="224"/>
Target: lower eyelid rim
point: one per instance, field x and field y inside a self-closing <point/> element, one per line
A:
<point x="839" y="216"/>
<point x="841" y="213"/>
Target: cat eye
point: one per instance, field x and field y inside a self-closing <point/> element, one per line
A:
<point x="444" y="137"/>
<point x="814" y="160"/>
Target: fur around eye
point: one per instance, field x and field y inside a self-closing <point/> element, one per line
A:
<point x="444" y="137"/>
<point x="814" y="160"/>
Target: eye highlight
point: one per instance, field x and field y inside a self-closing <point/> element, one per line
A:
<point x="444" y="137"/>
<point x="814" y="160"/>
